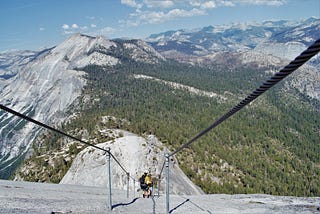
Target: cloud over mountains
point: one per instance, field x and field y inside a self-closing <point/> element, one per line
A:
<point x="154" y="11"/>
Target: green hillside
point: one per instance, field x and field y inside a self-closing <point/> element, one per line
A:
<point x="271" y="146"/>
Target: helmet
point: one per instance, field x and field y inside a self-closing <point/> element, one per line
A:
<point x="146" y="172"/>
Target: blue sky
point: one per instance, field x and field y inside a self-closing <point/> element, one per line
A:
<point x="35" y="24"/>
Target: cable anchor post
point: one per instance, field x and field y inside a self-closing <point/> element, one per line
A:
<point x="128" y="180"/>
<point x="167" y="183"/>
<point x="109" y="179"/>
<point x="134" y="188"/>
<point x="159" y="185"/>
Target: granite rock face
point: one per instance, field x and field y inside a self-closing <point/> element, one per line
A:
<point x="44" y="84"/>
<point x="136" y="154"/>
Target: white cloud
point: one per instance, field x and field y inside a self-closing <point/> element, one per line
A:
<point x="70" y="29"/>
<point x="128" y="22"/>
<point x="152" y="17"/>
<point x="107" y="30"/>
<point x="183" y="13"/>
<point x="41" y="28"/>
<point x="205" y="4"/>
<point x="158" y="3"/>
<point x="195" y="3"/>
<point x="208" y="5"/>
<point x="74" y="26"/>
<point x="131" y="3"/>
<point x="227" y="3"/>
<point x="68" y="32"/>
<point x="263" y="2"/>
<point x="158" y="11"/>
<point x="90" y="30"/>
<point x="65" y="26"/>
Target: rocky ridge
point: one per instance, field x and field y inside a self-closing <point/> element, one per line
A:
<point x="136" y="154"/>
<point x="44" y="84"/>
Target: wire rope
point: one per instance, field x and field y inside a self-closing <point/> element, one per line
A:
<point x="287" y="70"/>
<point x="60" y="132"/>
<point x="47" y="127"/>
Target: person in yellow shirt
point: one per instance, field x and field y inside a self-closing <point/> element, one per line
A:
<point x="146" y="184"/>
<point x="148" y="181"/>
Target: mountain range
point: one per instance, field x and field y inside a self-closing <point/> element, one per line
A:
<point x="268" y="43"/>
<point x="166" y="85"/>
<point x="236" y="37"/>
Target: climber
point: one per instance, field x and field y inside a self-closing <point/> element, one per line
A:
<point x="148" y="181"/>
<point x="146" y="184"/>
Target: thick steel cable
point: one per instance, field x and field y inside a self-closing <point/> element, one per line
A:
<point x="46" y="126"/>
<point x="164" y="162"/>
<point x="287" y="70"/>
<point x="115" y="159"/>
<point x="58" y="131"/>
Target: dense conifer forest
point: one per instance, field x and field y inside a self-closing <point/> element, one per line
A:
<point x="271" y="146"/>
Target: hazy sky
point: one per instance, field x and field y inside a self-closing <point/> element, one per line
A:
<point x="34" y="24"/>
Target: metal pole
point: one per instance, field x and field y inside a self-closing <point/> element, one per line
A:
<point x="167" y="183"/>
<point x="134" y="188"/>
<point x="159" y="185"/>
<point x="128" y="179"/>
<point x="109" y="179"/>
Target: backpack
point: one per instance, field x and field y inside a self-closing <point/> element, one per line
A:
<point x="142" y="179"/>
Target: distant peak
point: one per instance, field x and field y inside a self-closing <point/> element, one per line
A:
<point x="75" y="35"/>
<point x="312" y="19"/>
<point x="208" y="28"/>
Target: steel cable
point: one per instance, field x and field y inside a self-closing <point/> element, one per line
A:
<point x="47" y="127"/>
<point x="162" y="169"/>
<point x="287" y="70"/>
<point x="116" y="160"/>
<point x="60" y="132"/>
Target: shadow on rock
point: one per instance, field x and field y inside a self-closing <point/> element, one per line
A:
<point x="124" y="204"/>
<point x="179" y="205"/>
<point x="184" y="202"/>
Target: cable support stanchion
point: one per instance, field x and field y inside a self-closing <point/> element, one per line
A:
<point x="47" y="127"/>
<point x="128" y="180"/>
<point x="167" y="183"/>
<point x="109" y="178"/>
<point x="287" y="70"/>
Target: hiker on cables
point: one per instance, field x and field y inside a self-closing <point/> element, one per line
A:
<point x="146" y="184"/>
